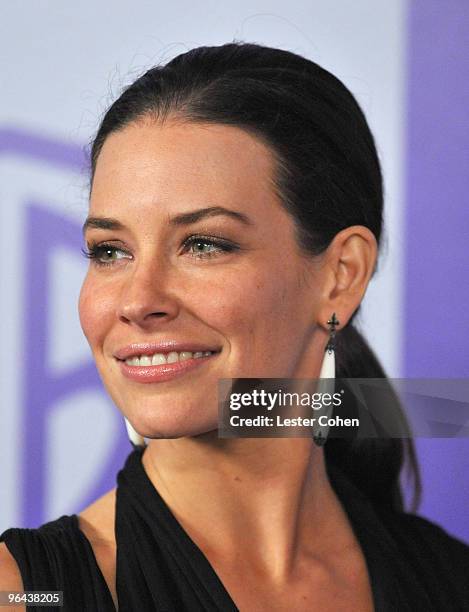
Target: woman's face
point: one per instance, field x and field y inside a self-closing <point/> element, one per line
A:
<point x="167" y="272"/>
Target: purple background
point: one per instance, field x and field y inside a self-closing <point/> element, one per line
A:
<point x="43" y="389"/>
<point x="437" y="236"/>
<point x="436" y="224"/>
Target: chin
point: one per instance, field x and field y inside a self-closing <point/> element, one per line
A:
<point x="171" y="423"/>
<point x="175" y="435"/>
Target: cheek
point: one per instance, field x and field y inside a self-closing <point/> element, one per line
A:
<point x="250" y="306"/>
<point x="95" y="311"/>
<point x="232" y="301"/>
<point x="265" y="317"/>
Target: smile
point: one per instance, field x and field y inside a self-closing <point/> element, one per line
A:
<point x="161" y="367"/>
<point x="160" y="358"/>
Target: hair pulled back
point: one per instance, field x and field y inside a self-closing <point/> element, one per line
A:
<point x="328" y="177"/>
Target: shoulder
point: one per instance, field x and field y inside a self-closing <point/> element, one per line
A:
<point x="431" y="534"/>
<point x="10" y="575"/>
<point x="24" y="542"/>
<point x="40" y="555"/>
<point x="34" y="557"/>
<point x="97" y="524"/>
<point x="435" y="538"/>
<point x="434" y="554"/>
<point x="96" y="521"/>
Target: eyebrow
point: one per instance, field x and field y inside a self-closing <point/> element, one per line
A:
<point x="182" y="219"/>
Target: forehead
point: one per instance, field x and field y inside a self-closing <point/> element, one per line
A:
<point x="182" y="165"/>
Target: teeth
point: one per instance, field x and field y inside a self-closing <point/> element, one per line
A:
<point x="160" y="358"/>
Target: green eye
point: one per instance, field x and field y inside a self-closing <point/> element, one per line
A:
<point x="104" y="254"/>
<point x="197" y="246"/>
<point x="107" y="254"/>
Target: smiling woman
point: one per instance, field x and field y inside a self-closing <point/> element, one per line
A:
<point x="235" y="220"/>
<point x="178" y="282"/>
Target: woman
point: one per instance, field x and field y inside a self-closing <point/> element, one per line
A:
<point x="234" y="224"/>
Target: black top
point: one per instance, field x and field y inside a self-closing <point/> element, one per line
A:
<point x="413" y="563"/>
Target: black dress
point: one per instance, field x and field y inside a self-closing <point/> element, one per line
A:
<point x="414" y="565"/>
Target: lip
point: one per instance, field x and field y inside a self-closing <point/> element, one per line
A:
<point x="164" y="346"/>
<point x="163" y="372"/>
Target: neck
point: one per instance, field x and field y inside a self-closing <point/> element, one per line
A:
<point x="267" y="501"/>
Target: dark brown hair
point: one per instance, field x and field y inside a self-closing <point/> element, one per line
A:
<point x="328" y="178"/>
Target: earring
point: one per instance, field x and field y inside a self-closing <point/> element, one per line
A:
<point x="327" y="379"/>
<point x="135" y="438"/>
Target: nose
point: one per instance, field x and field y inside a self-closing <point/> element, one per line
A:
<point x="145" y="298"/>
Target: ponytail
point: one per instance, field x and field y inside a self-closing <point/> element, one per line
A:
<point x="373" y="464"/>
<point x="327" y="175"/>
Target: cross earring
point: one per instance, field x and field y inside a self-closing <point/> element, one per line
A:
<point x="327" y="377"/>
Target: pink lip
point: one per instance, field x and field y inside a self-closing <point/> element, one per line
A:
<point x="165" y="346"/>
<point x="163" y="372"/>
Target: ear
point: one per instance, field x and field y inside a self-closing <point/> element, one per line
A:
<point x="349" y="263"/>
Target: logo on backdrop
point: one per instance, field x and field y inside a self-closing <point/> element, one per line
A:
<point x="44" y="390"/>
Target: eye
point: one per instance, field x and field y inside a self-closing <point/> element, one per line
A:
<point x="207" y="246"/>
<point x="104" y="254"/>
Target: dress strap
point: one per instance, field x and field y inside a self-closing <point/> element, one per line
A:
<point x="159" y="567"/>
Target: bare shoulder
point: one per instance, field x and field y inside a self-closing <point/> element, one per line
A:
<point x="96" y="521"/>
<point x="10" y="576"/>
